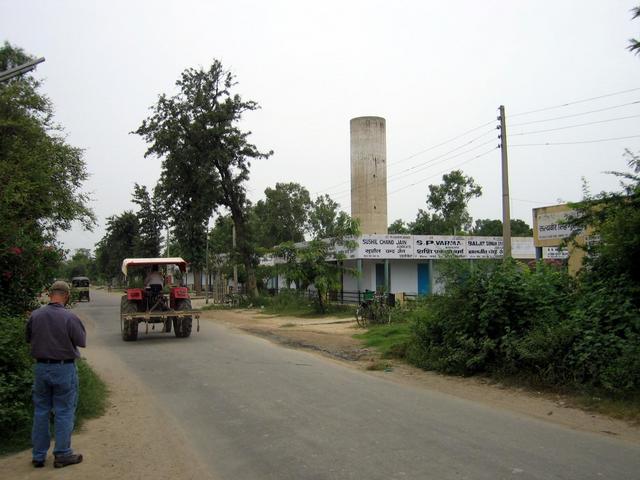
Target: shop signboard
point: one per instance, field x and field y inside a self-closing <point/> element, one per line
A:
<point x="438" y="246"/>
<point x="385" y="246"/>
<point x="432" y="247"/>
<point x="484" y="247"/>
<point x="552" y="225"/>
<point x="556" y="253"/>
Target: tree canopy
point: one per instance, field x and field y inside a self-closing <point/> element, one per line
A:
<point x="493" y="228"/>
<point x="450" y="201"/>
<point x="205" y="158"/>
<point x="119" y="242"/>
<point x="150" y="222"/>
<point x="613" y="220"/>
<point x="283" y="214"/>
<point x="41" y="189"/>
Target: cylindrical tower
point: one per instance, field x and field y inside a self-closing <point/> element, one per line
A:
<point x="369" y="173"/>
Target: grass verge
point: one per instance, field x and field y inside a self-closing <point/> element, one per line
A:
<point x="92" y="403"/>
<point x="390" y="340"/>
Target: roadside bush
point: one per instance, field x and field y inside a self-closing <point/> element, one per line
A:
<point x="606" y="352"/>
<point x="480" y="323"/>
<point x="16" y="378"/>
<point x="506" y="319"/>
<point x="288" y="301"/>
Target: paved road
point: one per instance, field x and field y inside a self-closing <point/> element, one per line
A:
<point x="259" y="411"/>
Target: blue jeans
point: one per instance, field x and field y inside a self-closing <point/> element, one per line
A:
<point x="55" y="387"/>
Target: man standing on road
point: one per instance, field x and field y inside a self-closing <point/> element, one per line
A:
<point x="55" y="334"/>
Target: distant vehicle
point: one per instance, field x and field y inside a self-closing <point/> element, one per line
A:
<point x="152" y="305"/>
<point x="80" y="286"/>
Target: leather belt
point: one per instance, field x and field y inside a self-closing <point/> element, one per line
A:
<point x="50" y="360"/>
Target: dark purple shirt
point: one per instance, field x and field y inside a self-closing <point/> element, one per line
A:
<point x="55" y="333"/>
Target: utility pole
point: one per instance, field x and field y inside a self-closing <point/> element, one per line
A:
<point x="506" y="214"/>
<point x="206" y="295"/>
<point x="235" y="266"/>
<point x="19" y="70"/>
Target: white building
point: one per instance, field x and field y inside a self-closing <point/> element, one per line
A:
<point x="411" y="264"/>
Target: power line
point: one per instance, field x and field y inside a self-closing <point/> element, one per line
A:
<point x="574" y="102"/>
<point x="573" y="126"/>
<point x="412" y="170"/>
<point x="530" y="201"/>
<point x="574" y="115"/>
<point x="450" y="140"/>
<point x="433" y="147"/>
<point x="443" y="171"/>
<point x="572" y="143"/>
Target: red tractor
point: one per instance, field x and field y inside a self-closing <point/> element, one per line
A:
<point x="155" y="303"/>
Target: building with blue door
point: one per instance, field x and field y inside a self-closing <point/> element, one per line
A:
<point x="411" y="264"/>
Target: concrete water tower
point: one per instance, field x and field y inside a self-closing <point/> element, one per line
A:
<point x="369" y="173"/>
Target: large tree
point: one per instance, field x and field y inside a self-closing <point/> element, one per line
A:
<point x="150" y="222"/>
<point x="450" y="200"/>
<point x="119" y="242"/>
<point x="399" y="227"/>
<point x="307" y="264"/>
<point x="493" y="228"/>
<point x="613" y="222"/>
<point x="81" y="264"/>
<point x="429" y="224"/>
<point x="40" y="191"/>
<point x="205" y="159"/>
<point x="326" y="220"/>
<point x="283" y="214"/>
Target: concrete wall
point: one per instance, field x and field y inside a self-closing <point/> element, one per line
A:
<point x="404" y="276"/>
<point x="369" y="173"/>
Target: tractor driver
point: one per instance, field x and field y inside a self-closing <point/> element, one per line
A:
<point x="154" y="278"/>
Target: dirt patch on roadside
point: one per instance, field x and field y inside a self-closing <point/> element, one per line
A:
<point x="333" y="337"/>
<point x="128" y="442"/>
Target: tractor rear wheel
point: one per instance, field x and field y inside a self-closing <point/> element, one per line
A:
<point x="182" y="325"/>
<point x="129" y="326"/>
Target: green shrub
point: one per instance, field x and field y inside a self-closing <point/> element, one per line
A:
<point x="16" y="377"/>
<point x="288" y="301"/>
<point x="507" y="319"/>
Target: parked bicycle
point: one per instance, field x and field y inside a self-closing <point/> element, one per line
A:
<point x="375" y="310"/>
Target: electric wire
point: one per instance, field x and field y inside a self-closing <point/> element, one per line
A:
<point x="575" y="102"/>
<point x="537" y="202"/>
<point x="443" y="171"/>
<point x="413" y="170"/>
<point x="573" y="126"/>
<point x="421" y="152"/>
<point x="571" y="143"/>
<point x="432" y="161"/>
<point x="573" y="115"/>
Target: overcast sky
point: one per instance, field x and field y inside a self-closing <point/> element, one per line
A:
<point x="432" y="69"/>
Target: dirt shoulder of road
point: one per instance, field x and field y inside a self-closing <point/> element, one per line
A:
<point x="333" y="338"/>
<point x="134" y="439"/>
